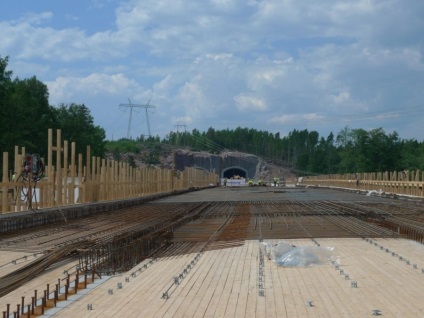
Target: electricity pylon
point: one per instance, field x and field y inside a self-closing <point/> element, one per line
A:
<point x="131" y="106"/>
<point x="180" y="125"/>
<point x="178" y="133"/>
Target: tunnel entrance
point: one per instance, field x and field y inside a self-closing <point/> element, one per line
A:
<point x="233" y="172"/>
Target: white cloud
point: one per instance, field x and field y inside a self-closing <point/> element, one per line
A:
<point x="64" y="89"/>
<point x="185" y="120"/>
<point x="230" y="60"/>
<point x="250" y="103"/>
<point x="217" y="57"/>
<point x="342" y="97"/>
<point x="297" y="118"/>
<point x="34" y="18"/>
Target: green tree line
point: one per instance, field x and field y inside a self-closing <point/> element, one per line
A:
<point x="26" y="116"/>
<point x="303" y="151"/>
<point x="352" y="150"/>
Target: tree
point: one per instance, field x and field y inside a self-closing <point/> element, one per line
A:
<point x="33" y="115"/>
<point x="383" y="150"/>
<point x="6" y="140"/>
<point x="25" y="113"/>
<point x="77" y="126"/>
<point x="346" y="151"/>
<point x="411" y="155"/>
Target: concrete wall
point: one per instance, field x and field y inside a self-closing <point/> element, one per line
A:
<point x="217" y="163"/>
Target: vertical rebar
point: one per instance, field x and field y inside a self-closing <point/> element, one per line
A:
<point x="43" y="302"/>
<point x="76" y="284"/>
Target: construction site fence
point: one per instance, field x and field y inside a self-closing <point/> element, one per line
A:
<point x="71" y="181"/>
<point x="398" y="182"/>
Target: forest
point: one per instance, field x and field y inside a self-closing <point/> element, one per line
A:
<point x="25" y="116"/>
<point x="306" y="152"/>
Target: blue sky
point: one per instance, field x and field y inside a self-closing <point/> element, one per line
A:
<point x="274" y="65"/>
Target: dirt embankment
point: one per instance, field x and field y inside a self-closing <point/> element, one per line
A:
<point x="267" y="172"/>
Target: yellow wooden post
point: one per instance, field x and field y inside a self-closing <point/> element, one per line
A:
<point x="102" y="180"/>
<point x="123" y="184"/>
<point x="22" y="207"/>
<point x="422" y="184"/>
<point x="143" y="181"/>
<point x="115" y="179"/>
<point x="59" y="193"/>
<point x="65" y="173"/>
<point x="109" y="178"/>
<point x="49" y="170"/>
<point x="5" y="188"/>
<point x="18" y="170"/>
<point x="17" y="164"/>
<point x="88" y="183"/>
<point x="72" y="174"/>
<point x="81" y="180"/>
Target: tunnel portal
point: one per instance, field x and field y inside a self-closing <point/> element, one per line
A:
<point x="233" y="172"/>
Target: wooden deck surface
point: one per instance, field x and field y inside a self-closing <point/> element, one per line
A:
<point x="224" y="283"/>
<point x="50" y="276"/>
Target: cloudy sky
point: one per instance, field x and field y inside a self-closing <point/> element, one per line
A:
<point x="274" y="65"/>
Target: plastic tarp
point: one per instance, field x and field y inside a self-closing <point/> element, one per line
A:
<point x="287" y="255"/>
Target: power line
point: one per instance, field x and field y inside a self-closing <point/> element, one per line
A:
<point x="178" y="126"/>
<point x="182" y="126"/>
<point x="131" y="106"/>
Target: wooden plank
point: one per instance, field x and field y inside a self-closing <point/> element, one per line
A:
<point x="11" y="261"/>
<point x="350" y="301"/>
<point x="252" y="296"/>
<point x="372" y="278"/>
<point x="224" y="283"/>
<point x="39" y="283"/>
<point x="305" y="291"/>
<point x="142" y="290"/>
<point x="240" y="311"/>
<point x="234" y="282"/>
<point x="396" y="278"/>
<point x="213" y="258"/>
<point x="322" y="302"/>
<point x="219" y="283"/>
<point x="270" y="301"/>
<point x="153" y="286"/>
<point x="202" y="298"/>
<point x="190" y="283"/>
<point x="278" y="295"/>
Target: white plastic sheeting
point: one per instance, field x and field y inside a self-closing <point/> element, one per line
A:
<point x="285" y="254"/>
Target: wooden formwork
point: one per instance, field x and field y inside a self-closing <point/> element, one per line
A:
<point x="72" y="181"/>
<point x="397" y="182"/>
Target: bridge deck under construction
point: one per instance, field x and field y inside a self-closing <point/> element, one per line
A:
<point x="198" y="255"/>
